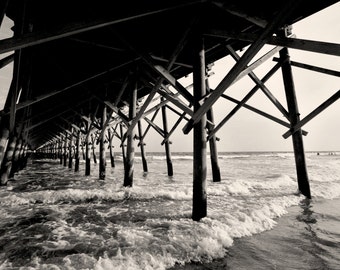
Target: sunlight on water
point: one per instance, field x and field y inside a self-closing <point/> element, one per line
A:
<point x="53" y="218"/>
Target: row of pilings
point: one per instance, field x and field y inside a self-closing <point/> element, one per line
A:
<point x="75" y="140"/>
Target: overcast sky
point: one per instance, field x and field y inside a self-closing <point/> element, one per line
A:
<point x="247" y="131"/>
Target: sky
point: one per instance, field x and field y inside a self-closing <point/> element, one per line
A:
<point x="247" y="131"/>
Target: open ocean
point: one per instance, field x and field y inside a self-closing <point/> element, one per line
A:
<point x="53" y="218"/>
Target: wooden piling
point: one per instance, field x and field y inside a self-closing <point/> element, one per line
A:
<point x="300" y="161"/>
<point x="7" y="161"/>
<point x="122" y="145"/>
<point x="4" y="134"/>
<point x="15" y="159"/>
<point x="76" y="153"/>
<point x="167" y="142"/>
<point x="215" y="168"/>
<point x="70" y="149"/>
<point x="93" y="143"/>
<point x="60" y="150"/>
<point x="87" y="151"/>
<point x="65" y="150"/>
<point x="110" y="139"/>
<point x="130" y="148"/>
<point x="199" y="209"/>
<point x="102" y="157"/>
<point x="141" y="145"/>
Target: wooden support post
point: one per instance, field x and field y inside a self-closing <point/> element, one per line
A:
<point x="215" y="168"/>
<point x="60" y="147"/>
<point x="65" y="150"/>
<point x="102" y="157"/>
<point x="141" y="145"/>
<point x="300" y="160"/>
<point x="130" y="149"/>
<point x="4" y="134"/>
<point x="110" y="138"/>
<point x="122" y="145"/>
<point x="70" y="149"/>
<point x="167" y="143"/>
<point x="87" y="150"/>
<point x="199" y="148"/>
<point x="76" y="153"/>
<point x="93" y="143"/>
<point x="7" y="161"/>
<point x="15" y="159"/>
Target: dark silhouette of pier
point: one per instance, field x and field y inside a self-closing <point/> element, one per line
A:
<point x="85" y="74"/>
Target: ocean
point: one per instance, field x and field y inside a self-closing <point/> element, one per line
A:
<point x="54" y="218"/>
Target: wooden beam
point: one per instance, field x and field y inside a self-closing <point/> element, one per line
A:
<point x="42" y="97"/>
<point x="157" y="128"/>
<point x="264" y="89"/>
<point x="115" y="104"/>
<point x="278" y="20"/>
<point x="313" y="68"/>
<point x="33" y="39"/>
<point x="159" y="81"/>
<point x="232" y="9"/>
<point x="6" y="60"/>
<point x="314" y="113"/>
<point x="244" y="100"/>
<point x="273" y="118"/>
<point x="294" y="43"/>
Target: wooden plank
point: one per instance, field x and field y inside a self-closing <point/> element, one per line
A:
<point x="294" y="43"/>
<point x="311" y="115"/>
<point x="278" y="20"/>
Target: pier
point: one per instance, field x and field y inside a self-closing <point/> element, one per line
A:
<point x="85" y="76"/>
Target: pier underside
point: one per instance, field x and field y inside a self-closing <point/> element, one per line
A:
<point x="85" y="74"/>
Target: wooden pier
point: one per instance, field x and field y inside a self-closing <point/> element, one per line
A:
<point x="85" y="75"/>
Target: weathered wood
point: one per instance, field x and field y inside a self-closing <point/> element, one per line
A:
<point x="102" y="154"/>
<point x="6" y="60"/>
<point x="242" y="63"/>
<point x="15" y="158"/>
<point x="122" y="145"/>
<point x="313" y="68"/>
<point x="4" y="135"/>
<point x="141" y="145"/>
<point x="76" y="153"/>
<point x="199" y="209"/>
<point x="167" y="143"/>
<point x="294" y="43"/>
<point x="7" y="161"/>
<point x="311" y="115"/>
<point x="87" y="150"/>
<point x="115" y="104"/>
<point x="33" y="39"/>
<point x="159" y="81"/>
<point x="130" y="149"/>
<point x="215" y="168"/>
<point x="302" y="176"/>
<point x="70" y="149"/>
<point x="110" y="139"/>
<point x="243" y="101"/>
<point x="93" y="147"/>
<point x="65" y="150"/>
